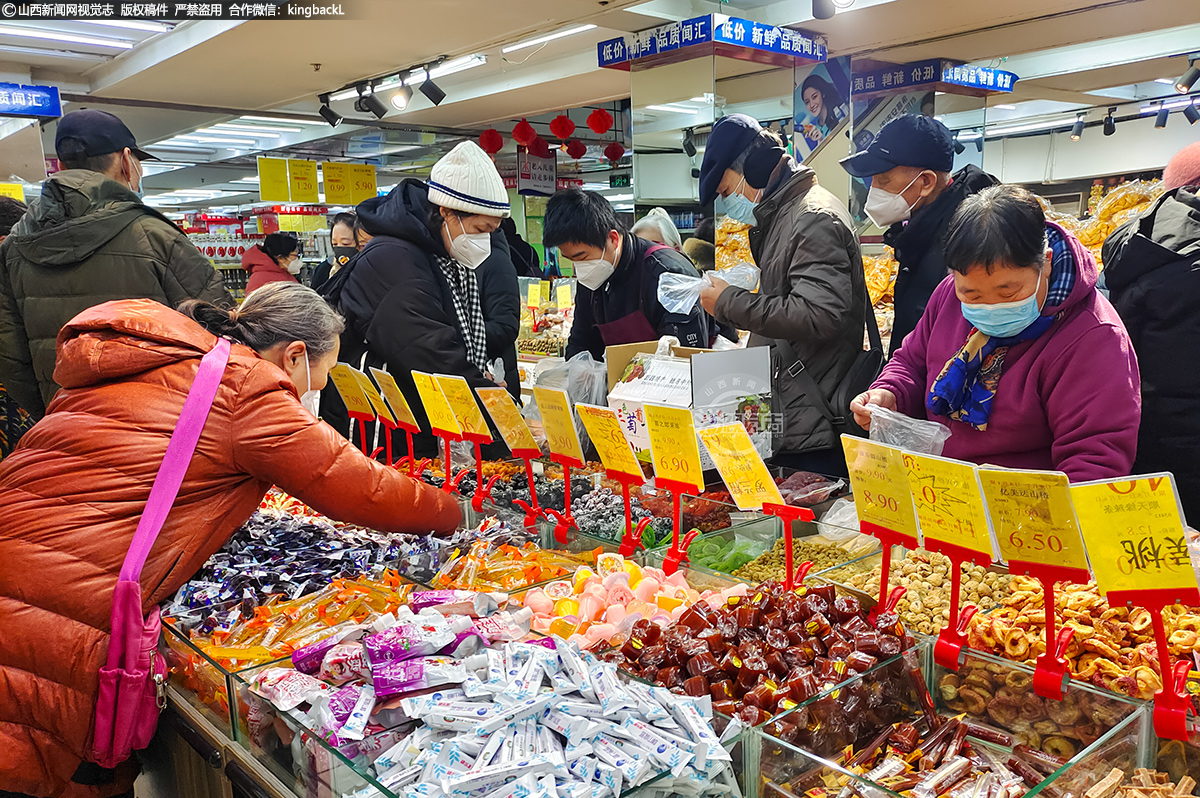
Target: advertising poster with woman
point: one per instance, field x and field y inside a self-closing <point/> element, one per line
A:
<point x="821" y="102"/>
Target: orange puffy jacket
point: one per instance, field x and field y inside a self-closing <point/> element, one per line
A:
<point x="72" y="493"/>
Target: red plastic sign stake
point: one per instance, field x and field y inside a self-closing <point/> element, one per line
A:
<point x="887" y="538"/>
<point x="633" y="540"/>
<point x="677" y="554"/>
<point x="676" y="489"/>
<point x="1051" y="675"/>
<point x="563" y="525"/>
<point x="947" y="651"/>
<point x="532" y="511"/>
<point x="628" y="481"/>
<point x="787" y="514"/>
<point x="565" y="517"/>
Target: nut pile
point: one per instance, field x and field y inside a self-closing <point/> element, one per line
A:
<point x="925" y="608"/>
<point x="770" y="564"/>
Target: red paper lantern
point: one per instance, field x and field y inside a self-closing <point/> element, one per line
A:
<point x="576" y="149"/>
<point x="523" y="133"/>
<point x="490" y="141"/>
<point x="614" y="151"/>
<point x="539" y="147"/>
<point x="600" y="121"/>
<point x="562" y="126"/>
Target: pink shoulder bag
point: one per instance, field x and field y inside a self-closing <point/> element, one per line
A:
<point x="133" y="680"/>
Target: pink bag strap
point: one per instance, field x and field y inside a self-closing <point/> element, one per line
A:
<point x="175" y="462"/>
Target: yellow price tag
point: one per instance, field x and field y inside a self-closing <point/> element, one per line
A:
<point x="302" y="179"/>
<point x="604" y="428"/>
<point x="395" y="398"/>
<point x="458" y="393"/>
<point x="1032" y="514"/>
<point x="508" y="419"/>
<point x="565" y="300"/>
<point x="1134" y="534"/>
<point x="880" y="485"/>
<point x="741" y="466"/>
<point x="273" y="185"/>
<point x="948" y="501"/>
<point x="533" y="297"/>
<point x="555" y="408"/>
<point x="363" y="186"/>
<point x="368" y="388"/>
<point x="351" y="392"/>
<point x="339" y="189"/>
<point x="544" y="289"/>
<point x="441" y="417"/>
<point x="14" y="190"/>
<point x="673" y="445"/>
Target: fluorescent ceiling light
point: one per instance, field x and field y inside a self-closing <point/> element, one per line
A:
<point x="1005" y="107"/>
<point x="672" y="109"/>
<point x="969" y="136"/>
<point x="1169" y="105"/>
<point x="153" y="27"/>
<point x="549" y="37"/>
<point x="248" y="128"/>
<point x="28" y="52"/>
<point x="285" y="120"/>
<point x="216" y="131"/>
<point x="71" y="38"/>
<point x="1168" y="81"/>
<point x="226" y="142"/>
<point x="251" y="179"/>
<point x="1029" y="128"/>
<point x="706" y="99"/>
<point x="180" y="145"/>
<point x="619" y="197"/>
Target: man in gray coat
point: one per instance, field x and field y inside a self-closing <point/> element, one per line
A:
<point x="812" y="289"/>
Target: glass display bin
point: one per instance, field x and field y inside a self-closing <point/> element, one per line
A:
<point x="745" y="537"/>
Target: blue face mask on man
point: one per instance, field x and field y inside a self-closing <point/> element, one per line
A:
<point x="1005" y="319"/>
<point x="739" y="207"/>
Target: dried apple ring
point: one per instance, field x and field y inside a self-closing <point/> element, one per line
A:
<point x="1059" y="746"/>
<point x="1016" y="644"/>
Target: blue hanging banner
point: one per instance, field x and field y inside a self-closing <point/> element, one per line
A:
<point x="41" y="102"/>
<point x="709" y="29"/>
<point x="663" y="39"/>
<point x="769" y="39"/>
<point x="929" y="72"/>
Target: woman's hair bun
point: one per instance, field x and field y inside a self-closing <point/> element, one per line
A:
<point x="217" y="321"/>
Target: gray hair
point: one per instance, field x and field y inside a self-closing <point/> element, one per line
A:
<point x="659" y="220"/>
<point x="277" y="313"/>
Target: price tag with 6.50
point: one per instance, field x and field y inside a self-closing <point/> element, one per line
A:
<point x="1032" y="514"/>
<point x="555" y="407"/>
<point x="462" y="403"/>
<point x="673" y="445"/>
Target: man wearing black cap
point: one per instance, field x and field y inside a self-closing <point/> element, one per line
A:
<point x="914" y="196"/>
<point x="86" y="240"/>
<point x="811" y="306"/>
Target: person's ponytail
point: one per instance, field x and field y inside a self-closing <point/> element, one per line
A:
<point x="217" y="321"/>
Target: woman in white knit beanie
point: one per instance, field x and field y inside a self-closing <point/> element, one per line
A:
<point x="419" y="296"/>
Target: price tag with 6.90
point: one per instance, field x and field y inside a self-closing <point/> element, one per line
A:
<point x="673" y="445"/>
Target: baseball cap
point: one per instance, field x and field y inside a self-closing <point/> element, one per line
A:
<point x="91" y="132"/>
<point x="730" y="136"/>
<point x="911" y="140"/>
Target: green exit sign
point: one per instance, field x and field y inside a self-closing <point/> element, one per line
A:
<point x="618" y="181"/>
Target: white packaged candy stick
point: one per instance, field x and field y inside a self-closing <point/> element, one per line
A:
<point x="573" y="728"/>
<point x="526" y="709"/>
<point x="526" y="683"/>
<point x="489" y="751"/>
<point x="609" y="777"/>
<point x="580" y="709"/>
<point x="664" y="751"/>
<point x="608" y="690"/>
<point x="574" y="668"/>
<point x="476" y="779"/>
<point x="356" y="724"/>
<point x="415" y="706"/>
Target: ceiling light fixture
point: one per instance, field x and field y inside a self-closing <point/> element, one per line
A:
<point x="1191" y="114"/>
<point x="1168" y="81"/>
<point x="369" y="102"/>
<point x="70" y="38"/>
<point x="328" y="114"/>
<point x="1005" y="107"/>
<point x="437" y="69"/>
<point x="1160" y="121"/>
<point x="281" y="119"/>
<point x="240" y="134"/>
<point x="252" y="128"/>
<point x="823" y="9"/>
<point x="152" y="27"/>
<point x="1185" y="83"/>
<point x="432" y="90"/>
<point x="41" y="52"/>
<point x="689" y="146"/>
<point x="1077" y="128"/>
<point x="672" y="109"/>
<point x="993" y="132"/>
<point x="959" y="147"/>
<point x="1110" y="124"/>
<point x="402" y="97"/>
<point x="549" y="37"/>
<point x="979" y="143"/>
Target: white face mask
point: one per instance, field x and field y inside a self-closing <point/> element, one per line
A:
<point x="310" y="398"/>
<point x="470" y="249"/>
<point x="295" y="265"/>
<point x="886" y="208"/>
<point x="594" y="273"/>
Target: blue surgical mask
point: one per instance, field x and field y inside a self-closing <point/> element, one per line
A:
<point x="1005" y="319"/>
<point x="739" y="207"/>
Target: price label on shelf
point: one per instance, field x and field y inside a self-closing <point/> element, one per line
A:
<point x="604" y="428"/>
<point x="565" y="300"/>
<point x="741" y="466"/>
<point x="673" y="445"/>
<point x="508" y="419"/>
<point x="14" y="190"/>
<point x="1033" y="518"/>
<point x="1134" y="533"/>
<point x="534" y="296"/>
<point x="351" y="392"/>
<point x="470" y="418"/>
<point x="555" y="407"/>
<point x="362" y="177"/>
<point x="395" y="398"/>
<point x="380" y="407"/>
<point x="273" y="183"/>
<point x="948" y="501"/>
<point x="338" y="183"/>
<point x="880" y="484"/>
<point x="441" y="416"/>
<point x="302" y="180"/>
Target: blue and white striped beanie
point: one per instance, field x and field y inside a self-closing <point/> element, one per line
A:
<point x="466" y="179"/>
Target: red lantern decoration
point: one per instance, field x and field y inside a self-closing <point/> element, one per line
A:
<point x="562" y="126"/>
<point x="614" y="151"/>
<point x="523" y="133"/>
<point x="600" y="121"/>
<point x="539" y="147"/>
<point x="490" y="141"/>
<point x="576" y="149"/>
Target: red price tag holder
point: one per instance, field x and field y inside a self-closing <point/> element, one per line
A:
<point x="507" y="417"/>
<point x="565" y="450"/>
<point x="632" y="539"/>
<point x="787" y="514"/>
<point x="474" y="430"/>
<point x="443" y="423"/>
<point x="358" y="407"/>
<point x="620" y="464"/>
<point x="675" y="452"/>
<point x="532" y="511"/>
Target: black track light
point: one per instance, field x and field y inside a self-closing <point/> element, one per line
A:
<point x="431" y="90"/>
<point x="959" y="147"/>
<point x="979" y="142"/>
<point x="823" y="9"/>
<point x="402" y="97"/>
<point x="1185" y="83"/>
<point x="1077" y="128"/>
<point x="1163" y="112"/>
<point x="369" y="102"/>
<point x="328" y="114"/>
<point x="1192" y="114"/>
<point x="689" y="146"/>
<point x="1110" y="124"/>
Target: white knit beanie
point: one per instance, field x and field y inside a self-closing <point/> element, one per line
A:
<point x="466" y="179"/>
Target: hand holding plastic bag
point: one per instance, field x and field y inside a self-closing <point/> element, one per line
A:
<point x="915" y="435"/>
<point x="679" y="293"/>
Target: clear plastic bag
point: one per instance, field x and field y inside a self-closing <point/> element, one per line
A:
<point x="839" y="526"/>
<point x="583" y="378"/>
<point x="679" y="293"/>
<point x="913" y="434"/>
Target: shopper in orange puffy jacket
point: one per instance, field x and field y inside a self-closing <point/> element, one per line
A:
<point x="72" y="493"/>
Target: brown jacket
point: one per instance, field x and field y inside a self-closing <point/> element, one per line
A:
<point x="810" y="293"/>
<point x="72" y="493"/>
